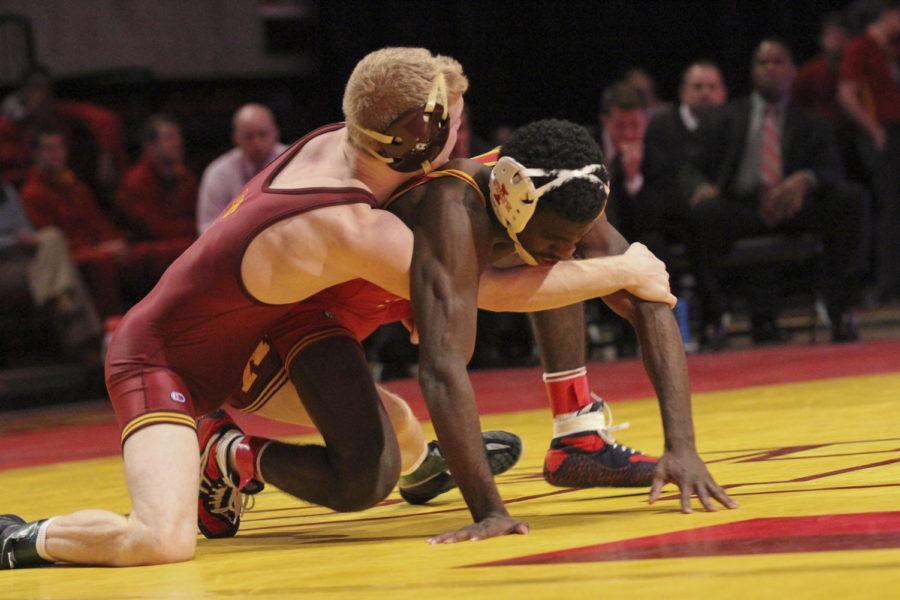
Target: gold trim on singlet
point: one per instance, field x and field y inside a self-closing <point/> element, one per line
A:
<point x="270" y="390"/>
<point x="155" y="418"/>
<point x="461" y="175"/>
<point x="281" y="378"/>
<point x="488" y="163"/>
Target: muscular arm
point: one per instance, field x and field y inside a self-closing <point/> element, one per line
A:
<point x="666" y="366"/>
<point x="452" y="243"/>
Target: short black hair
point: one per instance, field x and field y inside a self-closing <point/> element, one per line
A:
<point x="558" y="144"/>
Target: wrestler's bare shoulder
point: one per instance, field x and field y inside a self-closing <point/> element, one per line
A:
<point x="297" y="257"/>
<point x="319" y="163"/>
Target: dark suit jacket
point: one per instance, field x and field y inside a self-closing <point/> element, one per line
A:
<point x="674" y="156"/>
<point x="806" y="143"/>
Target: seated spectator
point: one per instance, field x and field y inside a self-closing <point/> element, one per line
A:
<point x="54" y="196"/>
<point x="816" y="89"/>
<point x="36" y="268"/>
<point x="158" y="195"/>
<point x="94" y="134"/>
<point x="675" y="158"/>
<point x="778" y="169"/>
<point x="869" y="91"/>
<point x="255" y="135"/>
<point x="645" y="85"/>
<point x="633" y="208"/>
<point x="673" y="139"/>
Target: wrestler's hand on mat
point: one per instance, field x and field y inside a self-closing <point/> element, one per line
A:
<point x="687" y="471"/>
<point x="488" y="527"/>
<point x="651" y="280"/>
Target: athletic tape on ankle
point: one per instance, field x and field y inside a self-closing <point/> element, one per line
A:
<point x="568" y="390"/>
<point x="594" y="421"/>
<point x="40" y="544"/>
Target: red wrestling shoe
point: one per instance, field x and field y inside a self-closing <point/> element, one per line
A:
<point x="590" y="457"/>
<point x="224" y="496"/>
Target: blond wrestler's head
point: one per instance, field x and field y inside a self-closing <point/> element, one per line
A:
<point x="390" y="81"/>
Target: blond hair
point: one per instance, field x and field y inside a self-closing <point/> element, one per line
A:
<point x="388" y="82"/>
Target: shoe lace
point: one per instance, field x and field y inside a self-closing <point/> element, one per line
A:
<point x="237" y="503"/>
<point x="607" y="431"/>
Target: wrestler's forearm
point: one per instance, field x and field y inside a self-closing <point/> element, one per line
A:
<point x="454" y="414"/>
<point x="666" y="365"/>
<point x="529" y="289"/>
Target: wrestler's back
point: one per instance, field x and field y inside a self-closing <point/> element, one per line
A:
<point x="202" y="319"/>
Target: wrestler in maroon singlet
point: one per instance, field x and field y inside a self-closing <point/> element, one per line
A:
<point x="182" y="350"/>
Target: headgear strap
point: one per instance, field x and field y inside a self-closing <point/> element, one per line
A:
<point x="414" y="139"/>
<point x="514" y="197"/>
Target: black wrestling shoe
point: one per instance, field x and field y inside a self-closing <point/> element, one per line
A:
<point x="432" y="478"/>
<point x="18" y="540"/>
<point x="585" y="459"/>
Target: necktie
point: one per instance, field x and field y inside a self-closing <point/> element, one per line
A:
<point x="770" y="165"/>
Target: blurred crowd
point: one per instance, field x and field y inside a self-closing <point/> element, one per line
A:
<point x="813" y="150"/>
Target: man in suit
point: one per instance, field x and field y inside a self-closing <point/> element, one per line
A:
<point x="778" y="169"/>
<point x="673" y="138"/>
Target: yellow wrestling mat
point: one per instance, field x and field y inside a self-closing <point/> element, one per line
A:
<point x="815" y="466"/>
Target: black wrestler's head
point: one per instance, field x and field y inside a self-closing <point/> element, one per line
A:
<point x="554" y="144"/>
<point x="547" y="188"/>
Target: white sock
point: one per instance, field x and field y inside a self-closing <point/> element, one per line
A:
<point x="40" y="544"/>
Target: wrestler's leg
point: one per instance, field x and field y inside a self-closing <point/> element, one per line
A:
<point x="360" y="462"/>
<point x="161" y="469"/>
<point x="582" y="452"/>
<point x="286" y="406"/>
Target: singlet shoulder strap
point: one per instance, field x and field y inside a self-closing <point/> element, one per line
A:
<point x="461" y="175"/>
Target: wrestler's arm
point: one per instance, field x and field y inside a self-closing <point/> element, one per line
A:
<point x="666" y="365"/>
<point x="533" y="289"/>
<point x="452" y="243"/>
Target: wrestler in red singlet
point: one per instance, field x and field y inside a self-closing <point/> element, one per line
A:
<point x="181" y="351"/>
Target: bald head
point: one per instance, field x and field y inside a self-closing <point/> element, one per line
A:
<point x="254" y="131"/>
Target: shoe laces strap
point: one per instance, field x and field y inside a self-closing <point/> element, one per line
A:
<point x="240" y="503"/>
<point x="606" y="432"/>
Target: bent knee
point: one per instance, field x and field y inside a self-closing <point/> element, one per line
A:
<point x="161" y="544"/>
<point x="368" y="487"/>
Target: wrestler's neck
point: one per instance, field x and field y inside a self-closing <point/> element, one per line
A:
<point x="330" y="161"/>
<point x="371" y="173"/>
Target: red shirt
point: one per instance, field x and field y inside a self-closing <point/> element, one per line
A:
<point x="155" y="208"/>
<point x="816" y="88"/>
<point x="68" y="204"/>
<point x="867" y="64"/>
<point x="15" y="152"/>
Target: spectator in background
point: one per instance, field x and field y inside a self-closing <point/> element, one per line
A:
<point x="675" y="157"/>
<point x="255" y="136"/>
<point x="633" y="207"/>
<point x="54" y="196"/>
<point x="37" y="270"/>
<point x="778" y="168"/>
<point x="673" y="138"/>
<point x="870" y="93"/>
<point x="158" y="195"/>
<point x="94" y="134"/>
<point x="644" y="83"/>
<point x="816" y="89"/>
<point x="116" y="272"/>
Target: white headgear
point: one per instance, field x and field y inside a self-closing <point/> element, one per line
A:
<point x="514" y="197"/>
